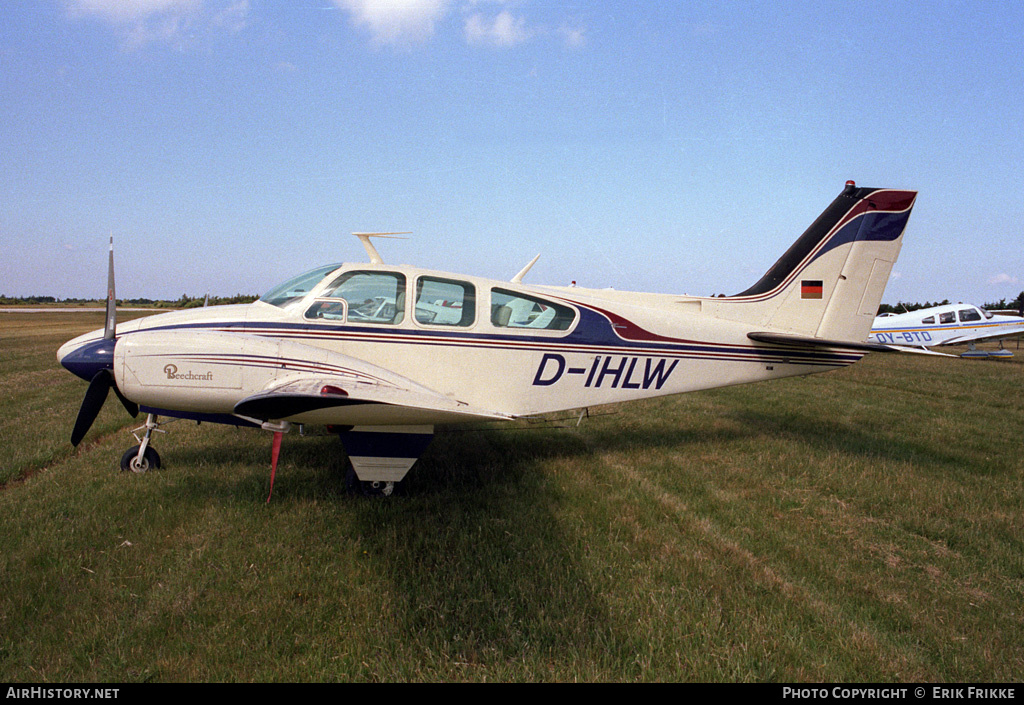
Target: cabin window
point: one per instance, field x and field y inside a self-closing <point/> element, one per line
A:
<point x="329" y="309"/>
<point x="949" y="317"/>
<point x="969" y="314"/>
<point x="445" y="302"/>
<point x="366" y="297"/>
<point x="928" y="321"/>
<point x="514" y="310"/>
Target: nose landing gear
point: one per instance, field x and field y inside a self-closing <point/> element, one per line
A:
<point x="143" y="457"/>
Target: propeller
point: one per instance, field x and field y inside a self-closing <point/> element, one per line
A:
<point x="100" y="353"/>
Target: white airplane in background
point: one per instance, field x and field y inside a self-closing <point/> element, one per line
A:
<point x="950" y="324"/>
<point x="383" y="353"/>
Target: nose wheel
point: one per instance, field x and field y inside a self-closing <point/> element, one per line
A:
<point x="143" y="457"/>
<point x="134" y="461"/>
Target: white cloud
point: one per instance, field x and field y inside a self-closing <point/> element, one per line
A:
<point x="141" y="22"/>
<point x="409" y="22"/>
<point x="1003" y="278"/>
<point x="390" y="22"/>
<point x="397" y="21"/>
<point x="233" y="18"/>
<point x="504" y="31"/>
<point x="128" y="11"/>
<point x="574" y="37"/>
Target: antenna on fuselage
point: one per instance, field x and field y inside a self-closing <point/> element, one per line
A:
<point x="522" y="272"/>
<point x="375" y="257"/>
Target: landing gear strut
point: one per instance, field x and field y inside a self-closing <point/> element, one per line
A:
<point x="143" y="458"/>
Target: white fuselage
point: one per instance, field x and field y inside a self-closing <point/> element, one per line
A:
<point x="616" y="347"/>
<point x="949" y="324"/>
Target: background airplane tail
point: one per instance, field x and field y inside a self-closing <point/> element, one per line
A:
<point x="829" y="283"/>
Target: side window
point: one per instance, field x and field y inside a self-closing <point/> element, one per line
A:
<point x="969" y="314"/>
<point x="328" y="309"/>
<point x="445" y="302"/>
<point x="928" y="321"/>
<point x="513" y="310"/>
<point x="369" y="297"/>
<point x="947" y="317"/>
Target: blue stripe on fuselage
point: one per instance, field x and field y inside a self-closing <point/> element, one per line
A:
<point x="594" y="333"/>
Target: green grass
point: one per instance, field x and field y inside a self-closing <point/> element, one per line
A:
<point x="860" y="525"/>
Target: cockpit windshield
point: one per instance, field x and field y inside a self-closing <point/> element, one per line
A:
<point x="297" y="287"/>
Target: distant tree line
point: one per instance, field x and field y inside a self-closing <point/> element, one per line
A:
<point x="1016" y="304"/>
<point x="185" y="301"/>
<point x="10" y="301"/>
<point x="1001" y="305"/>
<point x="905" y="307"/>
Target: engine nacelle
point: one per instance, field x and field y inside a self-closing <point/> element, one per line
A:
<point x="205" y="371"/>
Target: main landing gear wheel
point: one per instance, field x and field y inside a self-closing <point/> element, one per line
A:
<point x="130" y="461"/>
<point x="370" y="488"/>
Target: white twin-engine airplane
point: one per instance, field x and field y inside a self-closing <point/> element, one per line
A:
<point x="950" y="324"/>
<point x="383" y="353"/>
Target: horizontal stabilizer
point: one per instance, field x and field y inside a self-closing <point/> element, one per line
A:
<point x="805" y="341"/>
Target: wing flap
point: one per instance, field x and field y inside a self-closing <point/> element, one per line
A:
<point x="919" y="351"/>
<point x="332" y="400"/>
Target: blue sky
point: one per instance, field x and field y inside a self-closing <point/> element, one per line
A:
<point x="658" y="146"/>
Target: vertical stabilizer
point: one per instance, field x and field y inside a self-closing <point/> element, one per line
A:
<point x="830" y="282"/>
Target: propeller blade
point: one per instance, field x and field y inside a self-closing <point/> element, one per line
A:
<point x="95" y="395"/>
<point x="103" y="381"/>
<point x="110" y="326"/>
<point x="131" y="407"/>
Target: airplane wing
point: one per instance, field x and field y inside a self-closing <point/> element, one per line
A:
<point x="1003" y="331"/>
<point x="324" y="399"/>
<point x="919" y="351"/>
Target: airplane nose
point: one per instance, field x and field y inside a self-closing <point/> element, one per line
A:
<point x="86" y="359"/>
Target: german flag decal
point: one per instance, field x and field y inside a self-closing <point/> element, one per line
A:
<point x="810" y="289"/>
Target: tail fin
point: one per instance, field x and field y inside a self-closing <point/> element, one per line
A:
<point x="829" y="283"/>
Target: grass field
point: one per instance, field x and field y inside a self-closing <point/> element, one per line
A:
<point x="860" y="525"/>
